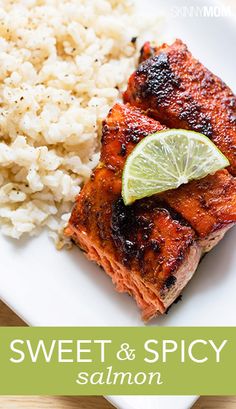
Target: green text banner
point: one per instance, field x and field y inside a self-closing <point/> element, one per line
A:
<point x="118" y="361"/>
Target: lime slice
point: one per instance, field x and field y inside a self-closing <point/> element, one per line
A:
<point x="167" y="159"/>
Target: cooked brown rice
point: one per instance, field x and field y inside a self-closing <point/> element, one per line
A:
<point x="62" y="66"/>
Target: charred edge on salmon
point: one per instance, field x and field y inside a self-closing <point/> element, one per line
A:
<point x="196" y="119"/>
<point x="125" y="227"/>
<point x="131" y="231"/>
<point x="160" y="79"/>
<point x="160" y="82"/>
<point x="170" y="281"/>
<point x="147" y="51"/>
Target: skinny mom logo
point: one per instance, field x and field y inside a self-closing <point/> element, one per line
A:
<point x="204" y="11"/>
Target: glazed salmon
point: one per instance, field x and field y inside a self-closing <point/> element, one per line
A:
<point x="173" y="87"/>
<point x="152" y="248"/>
<point x="147" y="252"/>
<point x="123" y="129"/>
<point x="208" y="205"/>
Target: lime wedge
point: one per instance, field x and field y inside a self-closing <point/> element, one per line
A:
<point x="167" y="159"/>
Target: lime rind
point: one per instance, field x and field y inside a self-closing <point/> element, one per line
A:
<point x="167" y="159"/>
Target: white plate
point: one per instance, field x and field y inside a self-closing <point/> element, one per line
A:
<point x="50" y="288"/>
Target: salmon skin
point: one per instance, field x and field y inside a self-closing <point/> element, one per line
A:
<point x="173" y="87"/>
<point x="152" y="248"/>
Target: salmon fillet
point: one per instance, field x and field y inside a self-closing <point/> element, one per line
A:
<point x="123" y="129"/>
<point x="152" y="248"/>
<point x="147" y="252"/>
<point x="173" y="87"/>
<point x="208" y="205"/>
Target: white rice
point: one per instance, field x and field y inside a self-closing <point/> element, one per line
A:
<point x="63" y="65"/>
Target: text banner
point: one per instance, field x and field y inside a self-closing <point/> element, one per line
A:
<point x="113" y="361"/>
